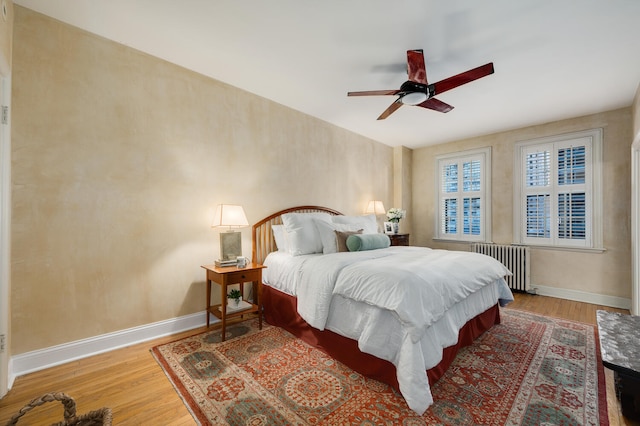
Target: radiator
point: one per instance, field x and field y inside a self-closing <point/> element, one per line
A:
<point x="516" y="258"/>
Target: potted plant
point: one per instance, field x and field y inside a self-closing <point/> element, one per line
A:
<point x="234" y="297"/>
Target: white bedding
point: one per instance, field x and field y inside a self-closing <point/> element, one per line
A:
<point x="402" y="304"/>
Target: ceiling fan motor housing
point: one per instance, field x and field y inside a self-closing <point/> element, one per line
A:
<point x="414" y="93"/>
<point x="413" y="87"/>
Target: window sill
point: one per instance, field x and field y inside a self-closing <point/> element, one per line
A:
<point x="444" y="240"/>
<point x="533" y="246"/>
<point x="562" y="248"/>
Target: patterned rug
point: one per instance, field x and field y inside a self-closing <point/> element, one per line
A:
<point x="529" y="370"/>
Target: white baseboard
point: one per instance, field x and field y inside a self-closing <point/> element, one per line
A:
<point x="40" y="359"/>
<point x="582" y="296"/>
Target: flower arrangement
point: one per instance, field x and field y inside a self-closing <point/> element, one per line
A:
<point x="394" y="214"/>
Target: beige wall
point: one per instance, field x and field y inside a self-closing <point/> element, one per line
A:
<point x="606" y="273"/>
<point x="119" y="160"/>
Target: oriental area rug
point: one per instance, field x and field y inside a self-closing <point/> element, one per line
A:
<point x="528" y="370"/>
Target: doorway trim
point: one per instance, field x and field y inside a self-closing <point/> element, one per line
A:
<point x="6" y="379"/>
<point x="635" y="225"/>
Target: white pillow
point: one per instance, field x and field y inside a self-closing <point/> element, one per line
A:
<point x="328" y="235"/>
<point x="280" y="235"/>
<point x="368" y="223"/>
<point x="302" y="234"/>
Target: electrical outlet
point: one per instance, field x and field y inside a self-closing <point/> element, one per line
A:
<point x="2" y="342"/>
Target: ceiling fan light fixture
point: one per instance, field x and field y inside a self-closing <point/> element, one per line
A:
<point x="414" y="98"/>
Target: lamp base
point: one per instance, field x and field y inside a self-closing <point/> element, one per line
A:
<point x="230" y="245"/>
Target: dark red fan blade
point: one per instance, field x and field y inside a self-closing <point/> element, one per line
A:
<point x="463" y="78"/>
<point x="374" y="93"/>
<point x="435" y="105"/>
<point x="392" y="108"/>
<point x="415" y="66"/>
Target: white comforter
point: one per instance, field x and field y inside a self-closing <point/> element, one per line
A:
<point x="406" y="290"/>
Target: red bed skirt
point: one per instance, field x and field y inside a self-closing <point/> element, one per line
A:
<point x="280" y="309"/>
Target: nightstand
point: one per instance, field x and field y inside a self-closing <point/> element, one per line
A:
<point x="399" y="239"/>
<point x="227" y="276"/>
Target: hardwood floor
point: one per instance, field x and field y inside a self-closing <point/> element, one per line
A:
<point x="133" y="385"/>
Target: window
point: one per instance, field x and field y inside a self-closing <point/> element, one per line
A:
<point x="464" y="196"/>
<point x="558" y="200"/>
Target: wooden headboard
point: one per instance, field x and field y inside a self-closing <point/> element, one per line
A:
<point x="262" y="240"/>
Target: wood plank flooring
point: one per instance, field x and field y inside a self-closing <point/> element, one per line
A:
<point x="133" y="385"/>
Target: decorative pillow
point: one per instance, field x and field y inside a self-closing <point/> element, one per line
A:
<point x="328" y="235"/>
<point x="280" y="235"/>
<point x="367" y="242"/>
<point x="368" y="223"/>
<point x="302" y="234"/>
<point x="341" y="239"/>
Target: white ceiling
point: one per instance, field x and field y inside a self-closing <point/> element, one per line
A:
<point x="553" y="59"/>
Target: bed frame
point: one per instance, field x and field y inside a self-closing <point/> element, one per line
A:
<point x="262" y="240"/>
<point x="280" y="309"/>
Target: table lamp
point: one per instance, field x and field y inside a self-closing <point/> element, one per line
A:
<point x="375" y="207"/>
<point x="231" y="217"/>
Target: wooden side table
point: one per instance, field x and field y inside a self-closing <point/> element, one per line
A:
<point x="230" y="275"/>
<point x="399" y="239"/>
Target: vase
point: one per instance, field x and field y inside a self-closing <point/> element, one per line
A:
<point x="396" y="227"/>
<point x="235" y="302"/>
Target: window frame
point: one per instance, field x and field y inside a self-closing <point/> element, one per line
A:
<point x="593" y="141"/>
<point x="484" y="156"/>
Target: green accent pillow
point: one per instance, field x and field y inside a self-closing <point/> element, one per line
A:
<point x="361" y="242"/>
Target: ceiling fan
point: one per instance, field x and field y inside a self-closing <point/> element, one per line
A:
<point x="417" y="91"/>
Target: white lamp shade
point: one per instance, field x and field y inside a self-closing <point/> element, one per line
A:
<point x="229" y="216"/>
<point x="375" y="207"/>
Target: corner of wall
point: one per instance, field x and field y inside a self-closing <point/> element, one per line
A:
<point x="635" y="111"/>
<point x="402" y="186"/>
<point x="6" y="36"/>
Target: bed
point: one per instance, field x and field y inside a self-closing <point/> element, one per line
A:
<point x="395" y="314"/>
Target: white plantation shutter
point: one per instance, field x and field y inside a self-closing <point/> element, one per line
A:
<point x="558" y="201"/>
<point x="572" y="191"/>
<point x="537" y="189"/>
<point x="462" y="191"/>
